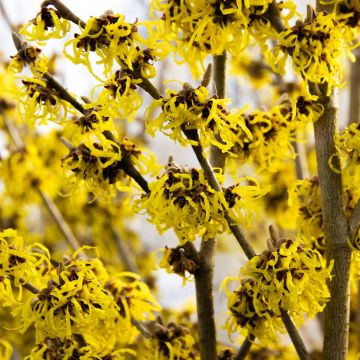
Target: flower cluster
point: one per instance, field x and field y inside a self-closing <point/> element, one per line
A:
<point x="306" y="193"/>
<point x="103" y="165"/>
<point x="287" y="276"/>
<point x="119" y="95"/>
<point x="31" y="56"/>
<point x="183" y="200"/>
<point x="272" y="131"/>
<point x="38" y="101"/>
<point x="47" y="24"/>
<point x="113" y="39"/>
<point x="248" y="310"/>
<point x="84" y="301"/>
<point x="18" y="263"/>
<point x="55" y="348"/>
<point x="193" y="109"/>
<point x="316" y="48"/>
<point x="201" y="27"/>
<point x="276" y="201"/>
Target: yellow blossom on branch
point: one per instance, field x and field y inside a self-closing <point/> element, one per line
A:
<point x="316" y="48"/>
<point x="183" y="200"/>
<point x="114" y="40"/>
<point x="47" y="24"/>
<point x="193" y="109"/>
<point x="40" y="103"/>
<point x="31" y="56"/>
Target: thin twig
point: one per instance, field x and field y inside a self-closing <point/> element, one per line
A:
<point x="354" y="97"/>
<point x="301" y="168"/>
<point x="5" y="15"/>
<point x="217" y="157"/>
<point x="50" y="205"/>
<point x="213" y="182"/>
<point x="65" y="12"/>
<point x="51" y="82"/>
<point x="63" y="93"/>
<point x="124" y="252"/>
<point x="294" y="335"/>
<point x="59" y="220"/>
<point x="245" y="347"/>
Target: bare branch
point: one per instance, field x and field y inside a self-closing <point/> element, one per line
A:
<point x="294" y="336"/>
<point x="245" y="347"/>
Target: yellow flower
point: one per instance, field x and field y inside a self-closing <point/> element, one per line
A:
<point x="18" y="262"/>
<point x="113" y="39"/>
<point x="192" y="109"/>
<point x="291" y="277"/>
<point x="68" y="349"/>
<point x="46" y="25"/>
<point x="29" y="55"/>
<point x="6" y="350"/>
<point x="132" y="296"/>
<point x="305" y="195"/>
<point x="208" y="27"/>
<point x="316" y="49"/>
<point x="74" y="303"/>
<point x="102" y="166"/>
<point x="183" y="200"/>
<point x="120" y="96"/>
<point x="39" y="102"/>
<point x="249" y="312"/>
<point x="276" y="200"/>
<point x="286" y="276"/>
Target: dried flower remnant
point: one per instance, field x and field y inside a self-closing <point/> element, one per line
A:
<point x="170" y="342"/>
<point x="175" y="260"/>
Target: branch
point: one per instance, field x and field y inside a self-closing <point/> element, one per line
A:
<point x="213" y="182"/>
<point x="245" y="347"/>
<point x="124" y="252"/>
<point x="5" y="15"/>
<point x="217" y="157"/>
<point x="63" y="93"/>
<point x="28" y="286"/>
<point x="51" y="82"/>
<point x="354" y="105"/>
<point x="59" y="220"/>
<point x="294" y="336"/>
<point x="50" y="205"/>
<point x="205" y="274"/>
<point x="247" y="248"/>
<point x="337" y="311"/>
<point x="65" y="12"/>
